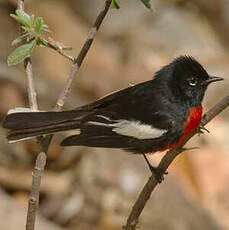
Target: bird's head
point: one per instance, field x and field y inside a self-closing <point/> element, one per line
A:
<point x="188" y="79"/>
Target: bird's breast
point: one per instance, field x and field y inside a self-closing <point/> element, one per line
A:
<point x="192" y="122"/>
<point x="194" y="119"/>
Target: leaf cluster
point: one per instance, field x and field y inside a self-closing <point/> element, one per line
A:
<point x="32" y="35"/>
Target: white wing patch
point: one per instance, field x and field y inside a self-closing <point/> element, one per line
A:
<point x="138" y="130"/>
<point x="134" y="129"/>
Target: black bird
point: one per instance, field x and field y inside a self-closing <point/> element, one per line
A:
<point x="152" y="116"/>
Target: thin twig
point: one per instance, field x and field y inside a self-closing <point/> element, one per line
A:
<point x="35" y="189"/>
<point x="164" y="164"/>
<point x="28" y="69"/>
<point x="57" y="47"/>
<point x="20" y="5"/>
<point x="78" y="61"/>
<point x="41" y="158"/>
<point x="31" y="88"/>
<point x="33" y="202"/>
<point x="70" y="58"/>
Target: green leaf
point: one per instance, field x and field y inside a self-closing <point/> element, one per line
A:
<point x="147" y="4"/>
<point x="38" y="24"/>
<point x="22" y="52"/>
<point x="24" y="18"/>
<point x="19" y="39"/>
<point x="114" y="5"/>
<point x="18" y="19"/>
<point x="31" y="20"/>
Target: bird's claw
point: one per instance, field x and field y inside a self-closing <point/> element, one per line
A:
<point x="201" y="130"/>
<point x="191" y="148"/>
<point x="158" y="173"/>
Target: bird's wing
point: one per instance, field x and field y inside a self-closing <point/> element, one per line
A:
<point x="104" y="130"/>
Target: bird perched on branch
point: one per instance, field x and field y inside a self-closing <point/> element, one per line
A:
<point x="155" y="115"/>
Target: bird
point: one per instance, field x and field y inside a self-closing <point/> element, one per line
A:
<point x="155" y="115"/>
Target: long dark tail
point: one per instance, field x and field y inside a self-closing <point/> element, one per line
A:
<point x="24" y="125"/>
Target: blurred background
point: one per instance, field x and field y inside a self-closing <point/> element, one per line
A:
<point x="89" y="188"/>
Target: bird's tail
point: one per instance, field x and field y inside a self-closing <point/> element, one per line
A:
<point x="24" y="125"/>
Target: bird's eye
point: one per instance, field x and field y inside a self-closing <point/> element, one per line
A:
<point x="192" y="81"/>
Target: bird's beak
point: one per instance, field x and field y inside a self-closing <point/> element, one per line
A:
<point x="213" y="79"/>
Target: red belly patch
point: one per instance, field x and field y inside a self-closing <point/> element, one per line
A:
<point x="193" y="122"/>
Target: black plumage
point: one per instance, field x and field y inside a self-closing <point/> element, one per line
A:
<point x="144" y="118"/>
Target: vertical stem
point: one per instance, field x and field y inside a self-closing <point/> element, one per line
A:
<point x="35" y="189"/>
<point x="33" y="202"/>
<point x="31" y="88"/>
<point x="32" y="96"/>
<point x="20" y="4"/>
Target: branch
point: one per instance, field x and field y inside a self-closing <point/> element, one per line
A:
<point x="33" y="202"/>
<point x="58" y="48"/>
<point x="20" y="5"/>
<point x="41" y="159"/>
<point x="28" y="69"/>
<point x="75" y="68"/>
<point x="31" y="88"/>
<point x="164" y="164"/>
<point x="35" y="189"/>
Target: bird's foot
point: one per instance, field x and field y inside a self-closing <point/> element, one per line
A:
<point x="158" y="173"/>
<point x="201" y="130"/>
<point x="190" y="148"/>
